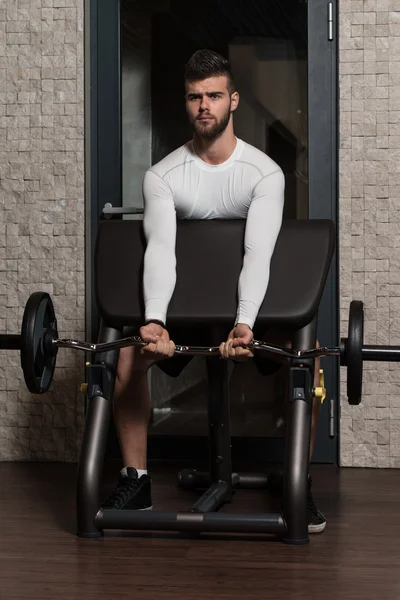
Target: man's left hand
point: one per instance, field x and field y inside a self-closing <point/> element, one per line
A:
<point x="236" y="345"/>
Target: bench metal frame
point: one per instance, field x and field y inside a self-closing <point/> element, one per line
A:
<point x="291" y="525"/>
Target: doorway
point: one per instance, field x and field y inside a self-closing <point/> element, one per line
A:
<point x="283" y="55"/>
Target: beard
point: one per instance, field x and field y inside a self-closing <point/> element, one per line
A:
<point x="209" y="130"/>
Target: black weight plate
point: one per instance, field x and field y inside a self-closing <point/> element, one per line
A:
<point x="354" y="346"/>
<point x="38" y="358"/>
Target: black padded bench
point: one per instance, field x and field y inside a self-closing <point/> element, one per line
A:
<point x="209" y="261"/>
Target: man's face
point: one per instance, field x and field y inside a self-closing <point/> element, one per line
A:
<point x="209" y="105"/>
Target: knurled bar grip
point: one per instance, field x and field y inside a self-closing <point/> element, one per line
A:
<point x="195" y="350"/>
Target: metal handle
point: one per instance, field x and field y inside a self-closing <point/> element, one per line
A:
<point x="194" y="350"/>
<point x="330" y="21"/>
<point x="110" y="210"/>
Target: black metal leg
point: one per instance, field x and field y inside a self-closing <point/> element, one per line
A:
<point x="298" y="432"/>
<point x="190" y="479"/>
<point x="250" y="481"/>
<point x="214" y="497"/>
<point x="168" y="520"/>
<point x="91" y="465"/>
<point x="93" y="446"/>
<point x="219" y="420"/>
<point x="219" y="436"/>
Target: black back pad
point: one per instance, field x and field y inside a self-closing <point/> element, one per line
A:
<point x="209" y="260"/>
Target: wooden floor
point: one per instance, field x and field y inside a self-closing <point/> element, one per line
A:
<point x="358" y="556"/>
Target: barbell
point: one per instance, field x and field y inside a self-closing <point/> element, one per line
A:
<point x="38" y="344"/>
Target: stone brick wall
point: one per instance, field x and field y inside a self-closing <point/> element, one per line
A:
<point x="369" y="218"/>
<point x="41" y="213"/>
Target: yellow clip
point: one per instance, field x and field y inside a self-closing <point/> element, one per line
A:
<point x="84" y="387"/>
<point x="320" y="392"/>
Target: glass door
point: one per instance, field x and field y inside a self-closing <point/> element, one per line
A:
<point x="283" y="67"/>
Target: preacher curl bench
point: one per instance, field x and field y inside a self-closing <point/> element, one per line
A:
<point x="209" y="261"/>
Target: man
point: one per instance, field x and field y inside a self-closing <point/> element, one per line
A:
<point x="215" y="175"/>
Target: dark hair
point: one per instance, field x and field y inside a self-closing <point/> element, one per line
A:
<point x="206" y="63"/>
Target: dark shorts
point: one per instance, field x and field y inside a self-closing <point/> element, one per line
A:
<point x="175" y="365"/>
<point x="183" y="337"/>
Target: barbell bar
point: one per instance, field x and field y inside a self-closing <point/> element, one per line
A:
<point x="38" y="344"/>
<point x="194" y="350"/>
<point x="353" y="352"/>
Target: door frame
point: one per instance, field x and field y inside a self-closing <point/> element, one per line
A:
<point x="103" y="151"/>
<point x="323" y="168"/>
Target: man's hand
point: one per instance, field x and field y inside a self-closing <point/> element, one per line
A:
<point x="236" y="345"/>
<point x="158" y="345"/>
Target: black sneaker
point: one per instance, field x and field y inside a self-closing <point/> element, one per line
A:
<point x="131" y="493"/>
<point x="316" y="520"/>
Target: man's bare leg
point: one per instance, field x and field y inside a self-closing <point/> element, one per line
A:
<point x="132" y="406"/>
<point x="132" y="409"/>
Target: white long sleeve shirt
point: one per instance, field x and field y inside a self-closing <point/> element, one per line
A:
<point x="249" y="185"/>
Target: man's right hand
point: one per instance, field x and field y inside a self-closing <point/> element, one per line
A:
<point x="158" y="345"/>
